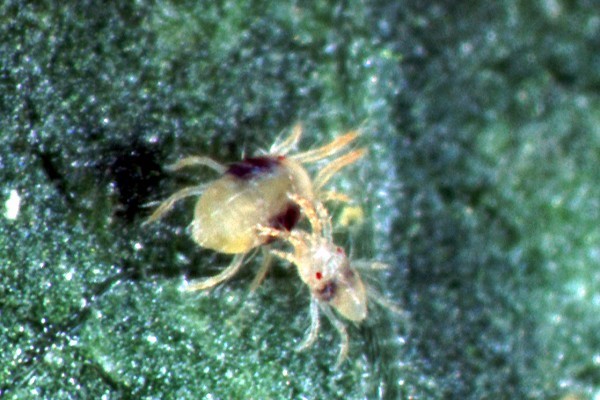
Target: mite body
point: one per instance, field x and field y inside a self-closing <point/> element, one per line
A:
<point x="254" y="192"/>
<point x="249" y="193"/>
<point x="328" y="273"/>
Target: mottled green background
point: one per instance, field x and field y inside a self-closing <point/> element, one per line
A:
<point x="481" y="190"/>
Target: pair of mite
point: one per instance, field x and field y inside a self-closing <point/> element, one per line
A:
<point x="259" y="200"/>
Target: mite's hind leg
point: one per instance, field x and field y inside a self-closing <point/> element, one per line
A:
<point x="194" y="161"/>
<point x="263" y="271"/>
<point x="341" y="328"/>
<point x="168" y="204"/>
<point x="315" y="323"/>
<point x="224" y="275"/>
<point x="334" y="166"/>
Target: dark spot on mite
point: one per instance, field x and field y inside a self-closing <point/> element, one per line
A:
<point x="287" y="219"/>
<point x="249" y="168"/>
<point x="328" y="291"/>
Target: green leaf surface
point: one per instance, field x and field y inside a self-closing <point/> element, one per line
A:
<point x="480" y="190"/>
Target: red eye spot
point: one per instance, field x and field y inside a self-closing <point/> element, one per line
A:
<point x="339" y="250"/>
<point x="281" y="158"/>
<point x="319" y="275"/>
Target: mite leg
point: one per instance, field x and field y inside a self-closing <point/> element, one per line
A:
<point x="341" y="328"/>
<point x="334" y="166"/>
<point x="295" y="238"/>
<point x="310" y="210"/>
<point x="327" y="150"/>
<point x="325" y="220"/>
<point x="332" y="195"/>
<point x="384" y="301"/>
<point x="268" y="232"/>
<point x="314" y="325"/>
<point x="263" y="271"/>
<point x="289" y="257"/>
<point x="168" y="204"/>
<point x="364" y="265"/>
<point x="289" y="143"/>
<point x="194" y="161"/>
<point x="226" y="274"/>
<point x="373" y="294"/>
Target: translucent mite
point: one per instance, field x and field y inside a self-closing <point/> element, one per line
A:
<point x="328" y="272"/>
<point x="254" y="192"/>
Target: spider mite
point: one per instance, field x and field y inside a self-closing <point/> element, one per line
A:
<point x="328" y="272"/>
<point x="253" y="192"/>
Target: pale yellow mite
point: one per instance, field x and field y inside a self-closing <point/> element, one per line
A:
<point x="254" y="192"/>
<point x="328" y="272"/>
